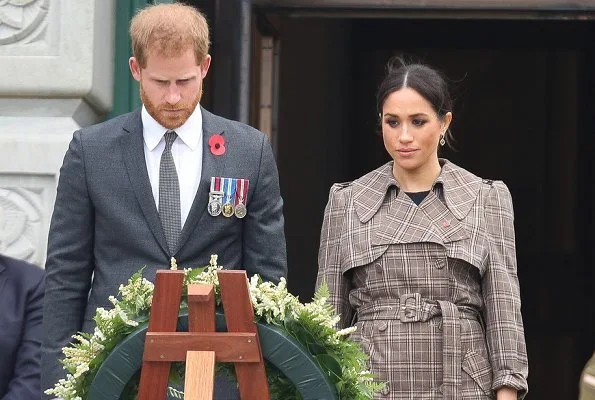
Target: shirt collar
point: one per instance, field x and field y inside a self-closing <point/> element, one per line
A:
<point x="190" y="132"/>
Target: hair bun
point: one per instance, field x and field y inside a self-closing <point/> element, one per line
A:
<point x="395" y="63"/>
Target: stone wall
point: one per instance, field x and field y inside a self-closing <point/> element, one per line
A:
<point x="56" y="75"/>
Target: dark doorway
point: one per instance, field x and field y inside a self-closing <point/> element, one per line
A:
<point x="524" y="114"/>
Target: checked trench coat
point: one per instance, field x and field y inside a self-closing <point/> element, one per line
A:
<point x="432" y="289"/>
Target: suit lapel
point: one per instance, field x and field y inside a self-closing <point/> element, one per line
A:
<point x="134" y="159"/>
<point x="211" y="166"/>
<point x="2" y="276"/>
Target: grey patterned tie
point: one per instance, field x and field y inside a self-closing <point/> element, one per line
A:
<point x="169" y="194"/>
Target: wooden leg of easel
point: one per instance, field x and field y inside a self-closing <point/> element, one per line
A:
<point x="200" y="375"/>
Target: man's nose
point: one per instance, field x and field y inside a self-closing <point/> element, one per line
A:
<point x="173" y="94"/>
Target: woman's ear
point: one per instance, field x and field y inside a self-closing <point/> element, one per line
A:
<point x="446" y="120"/>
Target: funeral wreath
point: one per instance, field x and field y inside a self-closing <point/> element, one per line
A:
<point x="311" y="324"/>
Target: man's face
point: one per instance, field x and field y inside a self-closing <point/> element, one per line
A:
<point x="170" y="87"/>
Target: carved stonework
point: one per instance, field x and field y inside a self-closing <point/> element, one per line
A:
<point x="21" y="223"/>
<point x="21" y="21"/>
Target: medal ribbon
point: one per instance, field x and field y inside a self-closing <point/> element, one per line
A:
<point x="242" y="192"/>
<point x="229" y="187"/>
<point x="232" y="195"/>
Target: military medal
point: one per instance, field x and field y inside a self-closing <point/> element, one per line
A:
<point x="242" y="191"/>
<point x="215" y="197"/>
<point x="229" y="190"/>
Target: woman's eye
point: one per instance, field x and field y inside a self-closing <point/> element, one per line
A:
<point x="392" y="122"/>
<point x="419" y="122"/>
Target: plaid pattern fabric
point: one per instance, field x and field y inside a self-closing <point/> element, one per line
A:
<point x="169" y="195"/>
<point x="432" y="288"/>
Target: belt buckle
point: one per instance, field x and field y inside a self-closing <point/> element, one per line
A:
<point x="410" y="307"/>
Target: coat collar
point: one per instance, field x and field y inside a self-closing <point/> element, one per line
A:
<point x="460" y="189"/>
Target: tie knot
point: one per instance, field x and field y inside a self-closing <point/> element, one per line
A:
<point x="170" y="136"/>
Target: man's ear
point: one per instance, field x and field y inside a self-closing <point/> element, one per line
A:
<point x="134" y="68"/>
<point x="204" y="65"/>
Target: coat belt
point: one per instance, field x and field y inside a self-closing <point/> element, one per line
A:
<point x="411" y="307"/>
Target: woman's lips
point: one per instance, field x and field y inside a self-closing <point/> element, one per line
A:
<point x="406" y="152"/>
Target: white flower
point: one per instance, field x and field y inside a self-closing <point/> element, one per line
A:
<point x="346" y="331"/>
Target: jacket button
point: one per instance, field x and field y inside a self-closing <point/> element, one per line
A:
<point x="440" y="263"/>
<point x="382" y="326"/>
<point x="385" y="390"/>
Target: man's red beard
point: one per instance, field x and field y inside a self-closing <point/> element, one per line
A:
<point x="161" y="113"/>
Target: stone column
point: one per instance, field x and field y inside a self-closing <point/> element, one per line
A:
<point x="56" y="75"/>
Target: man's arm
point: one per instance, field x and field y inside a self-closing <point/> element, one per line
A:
<point x="69" y="265"/>
<point x="24" y="384"/>
<point x="264" y="250"/>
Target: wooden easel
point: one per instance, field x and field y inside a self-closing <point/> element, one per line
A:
<point x="202" y="346"/>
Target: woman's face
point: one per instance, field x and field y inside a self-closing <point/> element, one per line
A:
<point x="411" y="130"/>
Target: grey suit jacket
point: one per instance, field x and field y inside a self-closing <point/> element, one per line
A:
<point x="105" y="224"/>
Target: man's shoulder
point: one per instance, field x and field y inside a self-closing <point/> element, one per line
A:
<point x="113" y="126"/>
<point x="218" y="124"/>
<point x="21" y="271"/>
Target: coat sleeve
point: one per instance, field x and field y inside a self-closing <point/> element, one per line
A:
<point x="329" y="256"/>
<point x="25" y="381"/>
<point x="500" y="287"/>
<point x="69" y="264"/>
<point x="263" y="232"/>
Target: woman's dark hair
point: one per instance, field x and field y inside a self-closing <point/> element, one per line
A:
<point x="426" y="81"/>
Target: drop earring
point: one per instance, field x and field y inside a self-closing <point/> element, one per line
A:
<point x="442" y="141"/>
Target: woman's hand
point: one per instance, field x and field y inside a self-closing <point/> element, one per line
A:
<point x="506" y="393"/>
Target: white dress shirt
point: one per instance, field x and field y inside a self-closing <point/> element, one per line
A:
<point x="187" y="153"/>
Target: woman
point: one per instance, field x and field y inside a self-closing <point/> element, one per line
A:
<point x="419" y="254"/>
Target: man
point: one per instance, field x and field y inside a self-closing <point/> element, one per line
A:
<point x="21" y="296"/>
<point x="169" y="180"/>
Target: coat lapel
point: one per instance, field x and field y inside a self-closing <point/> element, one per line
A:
<point x="212" y="165"/>
<point x="401" y="221"/>
<point x="445" y="224"/>
<point x="134" y="159"/>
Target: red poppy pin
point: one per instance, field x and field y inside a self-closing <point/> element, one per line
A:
<point x="217" y="144"/>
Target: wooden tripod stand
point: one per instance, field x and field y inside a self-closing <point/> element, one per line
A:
<point x="201" y="346"/>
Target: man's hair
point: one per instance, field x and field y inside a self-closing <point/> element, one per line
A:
<point x="169" y="30"/>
